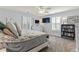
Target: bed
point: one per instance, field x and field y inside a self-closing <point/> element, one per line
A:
<point x="33" y="42"/>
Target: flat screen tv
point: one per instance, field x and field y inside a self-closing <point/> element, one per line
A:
<point x="46" y="20"/>
<point x="37" y="21"/>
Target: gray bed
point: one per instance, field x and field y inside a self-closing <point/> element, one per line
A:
<point x="26" y="43"/>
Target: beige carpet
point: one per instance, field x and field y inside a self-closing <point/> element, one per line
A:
<point x="57" y="44"/>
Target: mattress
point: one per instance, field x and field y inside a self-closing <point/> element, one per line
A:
<point x="26" y="45"/>
<point x="23" y="43"/>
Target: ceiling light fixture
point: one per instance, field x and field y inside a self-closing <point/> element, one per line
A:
<point x="44" y="9"/>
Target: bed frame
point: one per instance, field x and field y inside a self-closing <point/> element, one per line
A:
<point x="36" y="49"/>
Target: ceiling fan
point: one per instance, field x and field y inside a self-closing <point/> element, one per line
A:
<point x="44" y="9"/>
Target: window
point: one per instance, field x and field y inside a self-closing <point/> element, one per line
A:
<point x="57" y="19"/>
<point x="56" y="23"/>
<point x="64" y="20"/>
<point x="53" y="23"/>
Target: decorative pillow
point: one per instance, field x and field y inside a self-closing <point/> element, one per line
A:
<point x="18" y="29"/>
<point x="2" y="26"/>
<point x="12" y="28"/>
<point x="8" y="32"/>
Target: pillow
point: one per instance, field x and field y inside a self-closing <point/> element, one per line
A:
<point x="2" y="26"/>
<point x="12" y="28"/>
<point x="8" y="32"/>
<point x="18" y="29"/>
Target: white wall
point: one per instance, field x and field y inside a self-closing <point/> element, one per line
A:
<point x="47" y="27"/>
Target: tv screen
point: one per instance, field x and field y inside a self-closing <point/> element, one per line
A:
<point x="36" y="21"/>
<point x="46" y="20"/>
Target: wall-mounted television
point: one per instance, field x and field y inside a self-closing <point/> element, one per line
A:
<point x="46" y="20"/>
<point x="37" y="21"/>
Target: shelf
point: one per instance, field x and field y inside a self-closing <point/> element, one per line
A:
<point x="68" y="30"/>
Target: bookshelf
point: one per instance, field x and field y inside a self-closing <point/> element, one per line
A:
<point x="68" y="31"/>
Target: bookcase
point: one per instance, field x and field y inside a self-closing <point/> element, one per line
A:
<point x="68" y="31"/>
